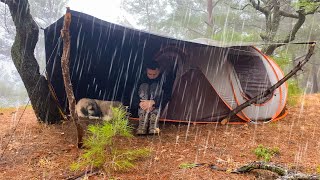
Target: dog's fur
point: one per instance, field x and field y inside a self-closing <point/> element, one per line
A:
<point x="96" y="109"/>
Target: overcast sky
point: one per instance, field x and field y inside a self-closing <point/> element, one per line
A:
<point x="109" y="10"/>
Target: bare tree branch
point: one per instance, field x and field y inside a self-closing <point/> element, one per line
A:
<point x="195" y="31"/>
<point x="216" y="3"/>
<point x="257" y="6"/>
<point x="242" y="8"/>
<point x="191" y="8"/>
<point x="287" y="14"/>
<point x="8" y="2"/>
<point x="291" y="36"/>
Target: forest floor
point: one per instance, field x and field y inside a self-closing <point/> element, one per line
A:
<point x="38" y="151"/>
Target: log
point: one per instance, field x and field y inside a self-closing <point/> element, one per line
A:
<point x="262" y="165"/>
<point x="283" y="173"/>
<point x="272" y="88"/>
<point x="65" y="34"/>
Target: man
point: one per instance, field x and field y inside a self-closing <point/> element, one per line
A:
<point x="152" y="94"/>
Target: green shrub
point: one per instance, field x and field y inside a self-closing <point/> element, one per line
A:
<point x="266" y="153"/>
<point x="294" y="91"/>
<point x="101" y="150"/>
<point x="283" y="59"/>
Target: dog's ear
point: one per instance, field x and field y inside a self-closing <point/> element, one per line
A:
<point x="98" y="111"/>
<point x="83" y="112"/>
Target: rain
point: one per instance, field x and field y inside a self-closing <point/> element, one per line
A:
<point x="235" y="87"/>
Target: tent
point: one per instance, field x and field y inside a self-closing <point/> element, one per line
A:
<point x="209" y="78"/>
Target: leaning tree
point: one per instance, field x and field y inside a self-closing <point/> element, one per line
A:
<point x="275" y="11"/>
<point x="22" y="53"/>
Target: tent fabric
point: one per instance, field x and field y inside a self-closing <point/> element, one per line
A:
<point x="106" y="61"/>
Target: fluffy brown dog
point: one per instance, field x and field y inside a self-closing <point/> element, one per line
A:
<point x="96" y="109"/>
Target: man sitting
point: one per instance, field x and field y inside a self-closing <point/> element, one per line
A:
<point x="152" y="95"/>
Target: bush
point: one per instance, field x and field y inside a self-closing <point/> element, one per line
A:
<point x="266" y="153"/>
<point x="283" y="59"/>
<point x="293" y="92"/>
<point x="101" y="150"/>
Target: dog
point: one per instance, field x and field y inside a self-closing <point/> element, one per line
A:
<point x="96" y="109"/>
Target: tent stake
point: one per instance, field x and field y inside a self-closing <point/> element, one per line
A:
<point x="272" y="88"/>
<point x="65" y="34"/>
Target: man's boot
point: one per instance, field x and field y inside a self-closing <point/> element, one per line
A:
<point x="154" y="122"/>
<point x="143" y="122"/>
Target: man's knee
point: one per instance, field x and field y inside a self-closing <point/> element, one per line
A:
<point x="143" y="91"/>
<point x="155" y="112"/>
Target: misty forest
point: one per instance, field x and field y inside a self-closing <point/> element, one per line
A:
<point x="163" y="89"/>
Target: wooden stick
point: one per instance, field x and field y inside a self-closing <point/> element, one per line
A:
<point x="65" y="34"/>
<point x="272" y="88"/>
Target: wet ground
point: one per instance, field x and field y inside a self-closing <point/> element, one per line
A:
<point x="37" y="151"/>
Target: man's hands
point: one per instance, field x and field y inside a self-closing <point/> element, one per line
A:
<point x="147" y="105"/>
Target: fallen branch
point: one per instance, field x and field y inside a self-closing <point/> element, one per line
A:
<point x="84" y="175"/>
<point x="282" y="172"/>
<point x="272" y="88"/>
<point x="262" y="165"/>
<point x="65" y="34"/>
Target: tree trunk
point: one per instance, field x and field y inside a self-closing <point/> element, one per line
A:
<point x="315" y="87"/>
<point x="209" y="20"/>
<point x="22" y="52"/>
<point x="314" y="71"/>
<point x="210" y="30"/>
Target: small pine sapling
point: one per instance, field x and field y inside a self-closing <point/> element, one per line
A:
<point x="101" y="150"/>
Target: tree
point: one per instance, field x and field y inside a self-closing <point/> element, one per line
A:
<point x="181" y="19"/>
<point x="147" y="13"/>
<point x="276" y="10"/>
<point x="22" y="53"/>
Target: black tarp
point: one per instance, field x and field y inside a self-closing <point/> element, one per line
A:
<point x="105" y="59"/>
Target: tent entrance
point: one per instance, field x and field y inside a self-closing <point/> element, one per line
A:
<point x="252" y="75"/>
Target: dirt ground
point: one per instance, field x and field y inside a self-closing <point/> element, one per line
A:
<point x="30" y="150"/>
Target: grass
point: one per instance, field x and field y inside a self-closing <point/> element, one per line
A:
<point x="187" y="165"/>
<point x="10" y="109"/>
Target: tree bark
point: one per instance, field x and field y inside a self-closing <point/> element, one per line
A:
<point x="314" y="71"/>
<point x="22" y="53"/>
<point x="210" y="30"/>
<point x="315" y="87"/>
<point x="290" y="37"/>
